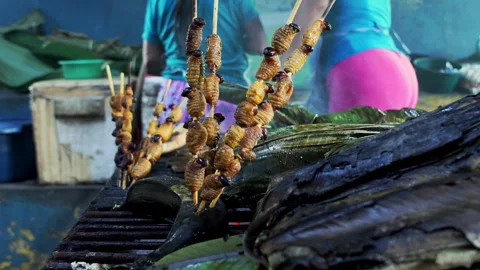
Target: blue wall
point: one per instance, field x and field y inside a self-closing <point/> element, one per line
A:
<point x="100" y="19"/>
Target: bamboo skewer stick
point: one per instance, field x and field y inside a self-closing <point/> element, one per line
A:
<point x="330" y="5"/>
<point x="195" y="9"/>
<point x="167" y="88"/>
<point x="110" y="80"/>
<point x="122" y="83"/>
<point x="212" y="111"/>
<point x="182" y="102"/>
<point x="294" y="12"/>
<point x="215" y="17"/>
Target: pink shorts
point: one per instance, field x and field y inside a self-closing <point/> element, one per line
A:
<point x="378" y="78"/>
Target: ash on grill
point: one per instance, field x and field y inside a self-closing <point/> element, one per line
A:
<point x="113" y="239"/>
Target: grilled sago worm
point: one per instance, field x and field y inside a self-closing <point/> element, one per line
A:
<point x="257" y="91"/>
<point x="244" y="113"/>
<point x="194" y="175"/>
<point x="213" y="55"/>
<point x="212" y="88"/>
<point x="154" y="149"/>
<point x="233" y="169"/>
<point x="210" y="157"/>
<point x="195" y="69"/>
<point x="165" y="130"/>
<point x="234" y="135"/>
<point x="152" y="126"/>
<point x="283" y="37"/>
<point x="223" y="157"/>
<point x="264" y="115"/>
<point x="283" y="90"/>
<point x="212" y="124"/>
<point x="213" y="185"/>
<point x="176" y="114"/>
<point x="196" y="102"/>
<point x="297" y="59"/>
<point x="196" y="137"/>
<point x="194" y="35"/>
<point x="141" y="169"/>
<point x="270" y="65"/>
<point x="123" y="137"/>
<point x="159" y="109"/>
<point x="313" y="33"/>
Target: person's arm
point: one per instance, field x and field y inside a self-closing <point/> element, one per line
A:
<point x="255" y="39"/>
<point x="152" y="62"/>
<point x="309" y="11"/>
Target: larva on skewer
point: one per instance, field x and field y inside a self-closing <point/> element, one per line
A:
<point x="283" y="37"/>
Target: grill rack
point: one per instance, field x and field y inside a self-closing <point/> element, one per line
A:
<point x="119" y="237"/>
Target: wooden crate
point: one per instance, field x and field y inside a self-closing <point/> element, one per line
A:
<point x="72" y="131"/>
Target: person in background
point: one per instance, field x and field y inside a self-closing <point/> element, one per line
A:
<point x="357" y="62"/>
<point x="166" y="26"/>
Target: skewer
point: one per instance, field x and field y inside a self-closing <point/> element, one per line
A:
<point x="110" y="80"/>
<point x="167" y="87"/>
<point x="330" y="5"/>
<point x="294" y="11"/>
<point x="195" y="9"/>
<point x="129" y="77"/>
<point x="182" y="102"/>
<point x="212" y="111"/>
<point x="122" y="83"/>
<point x="215" y="17"/>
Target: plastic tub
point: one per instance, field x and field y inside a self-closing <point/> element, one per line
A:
<point x="83" y="69"/>
<point x="433" y="76"/>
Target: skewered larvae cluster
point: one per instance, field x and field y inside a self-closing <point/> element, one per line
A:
<point x="151" y="147"/>
<point x="269" y="66"/>
<point x="297" y="59"/>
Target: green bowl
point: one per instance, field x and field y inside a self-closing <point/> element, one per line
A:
<point x="432" y="79"/>
<point x="83" y="69"/>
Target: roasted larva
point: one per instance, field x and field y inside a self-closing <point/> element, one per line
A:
<point x="297" y="59"/>
<point x="264" y="115"/>
<point x="257" y="91"/>
<point x="196" y="137"/>
<point x="283" y="37"/>
<point x="194" y="69"/>
<point x="194" y="175"/>
<point x="283" y="90"/>
<point x="234" y="135"/>
<point x="212" y="124"/>
<point x="165" y="130"/>
<point x="223" y="157"/>
<point x="270" y="65"/>
<point x="212" y="88"/>
<point x="244" y="113"/>
<point x="155" y="149"/>
<point x="141" y="169"/>
<point x="213" y="55"/>
<point x="212" y="186"/>
<point x="196" y="102"/>
<point x="313" y="33"/>
<point x="194" y="35"/>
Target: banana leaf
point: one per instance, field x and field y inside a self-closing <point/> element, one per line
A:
<point x="216" y="254"/>
<point x="19" y="67"/>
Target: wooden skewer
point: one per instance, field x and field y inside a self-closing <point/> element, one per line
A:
<point x="294" y="12"/>
<point x="195" y="9"/>
<point x="110" y="80"/>
<point x="129" y="77"/>
<point x="122" y="83"/>
<point x="212" y="111"/>
<point x="182" y="102"/>
<point x="215" y="16"/>
<point x="167" y="87"/>
<point x="195" y="197"/>
<point x="201" y="207"/>
<point x="330" y="5"/>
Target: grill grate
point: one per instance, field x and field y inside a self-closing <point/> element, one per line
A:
<point x="118" y="237"/>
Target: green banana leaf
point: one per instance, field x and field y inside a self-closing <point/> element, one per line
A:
<point x="19" y="67"/>
<point x="216" y="254"/>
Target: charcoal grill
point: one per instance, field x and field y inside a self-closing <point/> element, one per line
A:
<point x="119" y="237"/>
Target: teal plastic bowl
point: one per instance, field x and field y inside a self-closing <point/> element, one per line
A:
<point x="432" y="79"/>
<point x="83" y="69"/>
